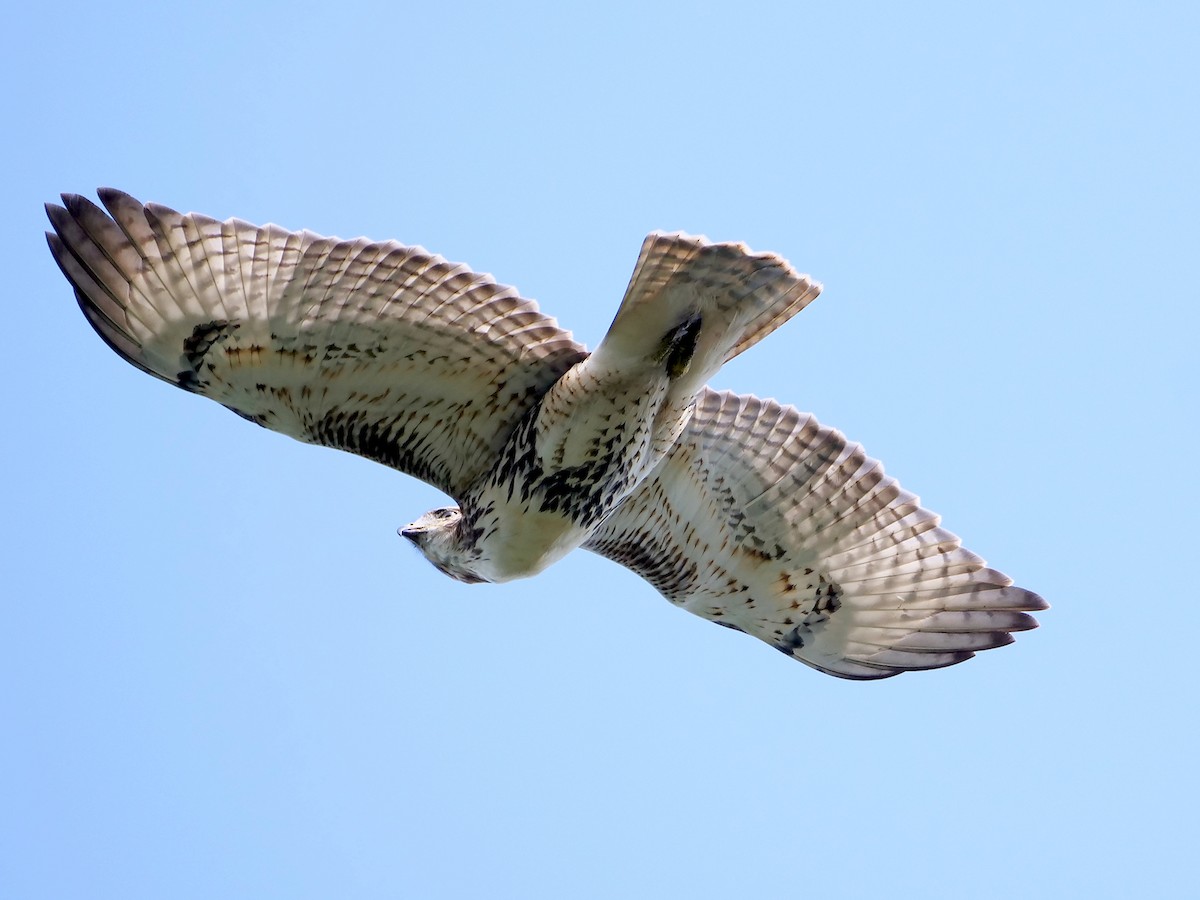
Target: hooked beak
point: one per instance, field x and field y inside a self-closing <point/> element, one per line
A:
<point x="407" y="531"/>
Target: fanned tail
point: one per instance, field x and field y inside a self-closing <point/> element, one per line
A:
<point x="696" y="305"/>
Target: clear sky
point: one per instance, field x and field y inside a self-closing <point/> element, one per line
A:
<point x="224" y="675"/>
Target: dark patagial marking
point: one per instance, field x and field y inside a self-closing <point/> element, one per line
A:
<point x="827" y="600"/>
<point x="790" y="642"/>
<point x="260" y="420"/>
<point x="385" y="442"/>
<point x="195" y="347"/>
<point x="669" y="572"/>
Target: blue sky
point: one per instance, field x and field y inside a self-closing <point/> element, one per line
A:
<point x="222" y="674"/>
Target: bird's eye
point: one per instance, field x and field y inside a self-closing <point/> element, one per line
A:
<point x="444" y="513"/>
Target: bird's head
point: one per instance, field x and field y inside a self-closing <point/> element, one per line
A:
<point x="439" y="536"/>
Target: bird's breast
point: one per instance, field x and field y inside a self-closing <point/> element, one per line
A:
<point x="517" y="540"/>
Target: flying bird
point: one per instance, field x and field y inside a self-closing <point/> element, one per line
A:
<point x="744" y="511"/>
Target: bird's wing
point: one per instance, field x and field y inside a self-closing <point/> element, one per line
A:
<point x="767" y="522"/>
<point x="377" y="348"/>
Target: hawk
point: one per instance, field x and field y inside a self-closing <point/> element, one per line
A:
<point x="743" y="511"/>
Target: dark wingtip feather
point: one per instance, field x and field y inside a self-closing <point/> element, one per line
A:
<point x="114" y="200"/>
<point x="59" y="216"/>
<point x="990" y="640"/>
<point x="117" y="340"/>
<point x="72" y="201"/>
<point x="1022" y="621"/>
<point x="107" y="193"/>
<point x="79" y="205"/>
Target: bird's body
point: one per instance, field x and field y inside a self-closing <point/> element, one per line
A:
<point x="740" y="510"/>
<point x="603" y="427"/>
<point x="568" y="463"/>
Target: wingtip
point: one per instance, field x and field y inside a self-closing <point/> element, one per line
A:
<point x="1021" y="621"/>
<point x="111" y="197"/>
<point x="52" y="210"/>
<point x="60" y="216"/>
<point x="1026" y="601"/>
<point x="79" y="205"/>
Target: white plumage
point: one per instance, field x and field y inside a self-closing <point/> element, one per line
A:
<point x="740" y="510"/>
